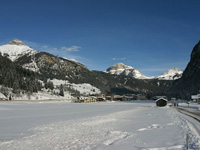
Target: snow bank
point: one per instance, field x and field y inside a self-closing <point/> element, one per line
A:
<point x="41" y="96"/>
<point x="57" y="82"/>
<point x="86" y="89"/>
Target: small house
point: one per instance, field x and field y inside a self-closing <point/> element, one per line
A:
<point x="99" y="99"/>
<point x="129" y="97"/>
<point x="196" y="98"/>
<point x="161" y="102"/>
<point x="108" y="96"/>
<point x="90" y="99"/>
<point x="117" y="98"/>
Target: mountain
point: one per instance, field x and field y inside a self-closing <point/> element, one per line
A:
<point x="51" y="67"/>
<point x="189" y="83"/>
<point x="171" y="74"/>
<point x="16" y="49"/>
<point x="121" y="69"/>
<point x="38" y="69"/>
<point x="24" y="69"/>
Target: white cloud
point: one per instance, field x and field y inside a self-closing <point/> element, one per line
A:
<point x="116" y="59"/>
<point x="63" y="51"/>
<point x="71" y="49"/>
<point x="45" y="46"/>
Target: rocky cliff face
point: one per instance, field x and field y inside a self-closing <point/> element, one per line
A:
<point x="121" y="69"/>
<point x="171" y="74"/>
<point x="189" y="83"/>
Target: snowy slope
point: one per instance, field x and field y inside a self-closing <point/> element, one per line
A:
<point x="84" y="88"/>
<point x="121" y="69"/>
<point x="16" y="49"/>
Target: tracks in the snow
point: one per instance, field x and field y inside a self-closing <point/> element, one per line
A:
<point x="193" y="114"/>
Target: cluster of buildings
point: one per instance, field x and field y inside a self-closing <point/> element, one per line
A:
<point x="90" y="99"/>
<point x="161" y="101"/>
<point x="109" y="97"/>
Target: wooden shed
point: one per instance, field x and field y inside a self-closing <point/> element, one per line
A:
<point x="161" y="102"/>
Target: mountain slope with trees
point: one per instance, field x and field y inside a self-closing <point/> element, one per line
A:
<point x="51" y="67"/>
<point x="18" y="78"/>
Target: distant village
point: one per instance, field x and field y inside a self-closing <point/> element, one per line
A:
<point x="127" y="97"/>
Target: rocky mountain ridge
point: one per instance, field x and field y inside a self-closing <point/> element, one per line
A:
<point x="48" y="67"/>
<point x="122" y="69"/>
<point x="34" y="68"/>
<point x="16" y="49"/>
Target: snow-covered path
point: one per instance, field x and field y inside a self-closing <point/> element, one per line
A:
<point x="113" y="126"/>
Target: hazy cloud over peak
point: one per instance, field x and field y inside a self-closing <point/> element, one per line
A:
<point x="116" y="59"/>
<point x="71" y="49"/>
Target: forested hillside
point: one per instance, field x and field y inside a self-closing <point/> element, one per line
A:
<point x="18" y="78"/>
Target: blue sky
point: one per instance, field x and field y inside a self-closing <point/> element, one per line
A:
<point x="152" y="36"/>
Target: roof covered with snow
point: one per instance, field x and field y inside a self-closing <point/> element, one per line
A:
<point x="161" y="99"/>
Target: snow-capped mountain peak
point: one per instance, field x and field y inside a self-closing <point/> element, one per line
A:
<point x="16" y="42"/>
<point x="15" y="49"/>
<point x="121" y="69"/>
<point x="171" y="74"/>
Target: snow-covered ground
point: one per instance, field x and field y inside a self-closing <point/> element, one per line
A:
<point x="41" y="95"/>
<point x="113" y="125"/>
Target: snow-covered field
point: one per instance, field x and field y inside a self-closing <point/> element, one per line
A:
<point x="112" y="125"/>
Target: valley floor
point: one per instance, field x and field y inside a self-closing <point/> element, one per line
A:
<point x="102" y="126"/>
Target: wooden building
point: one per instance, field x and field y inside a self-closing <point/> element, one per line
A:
<point x="196" y="98"/>
<point x="99" y="99"/>
<point x="118" y="98"/>
<point x="161" y="102"/>
<point x="108" y="97"/>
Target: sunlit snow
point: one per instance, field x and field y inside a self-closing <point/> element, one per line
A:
<point x="103" y="126"/>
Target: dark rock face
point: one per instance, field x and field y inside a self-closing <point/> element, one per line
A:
<point x="190" y="81"/>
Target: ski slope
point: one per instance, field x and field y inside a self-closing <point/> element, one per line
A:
<point x="102" y="126"/>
